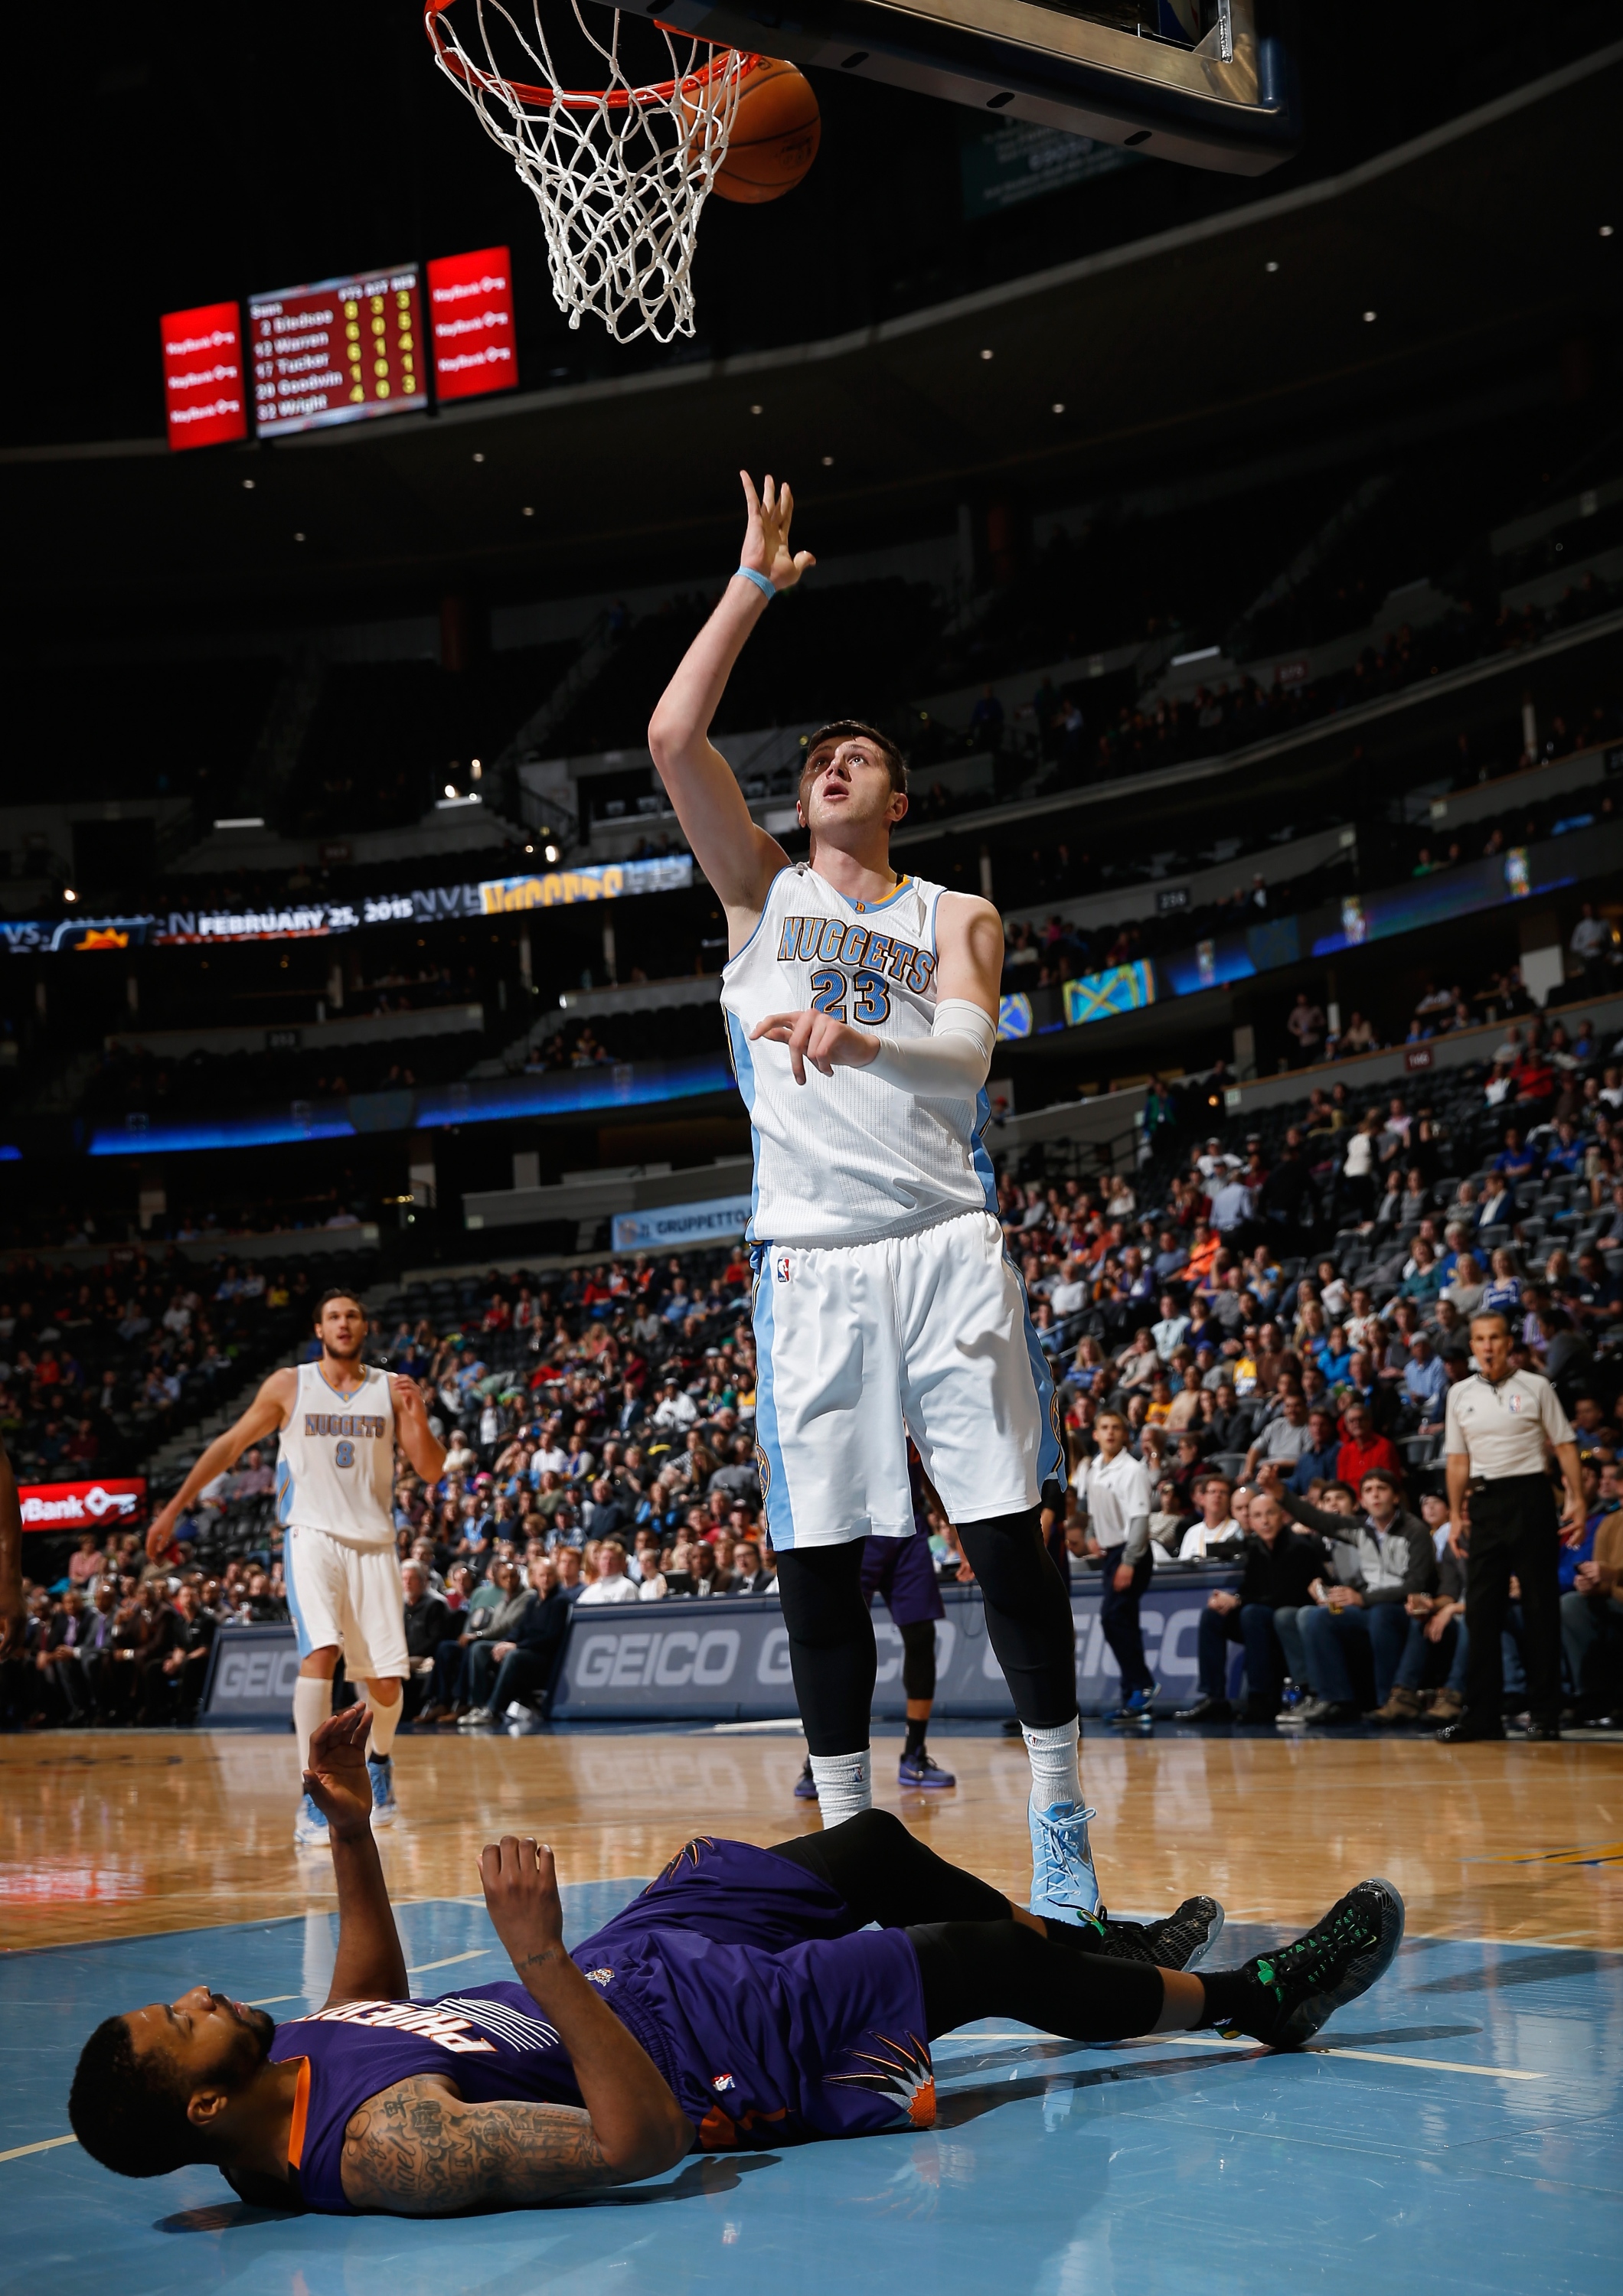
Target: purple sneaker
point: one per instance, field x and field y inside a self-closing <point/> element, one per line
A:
<point x="922" y="1772"/>
<point x="805" y="1784"/>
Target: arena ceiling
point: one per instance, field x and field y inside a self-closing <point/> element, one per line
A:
<point x="1480" y="249"/>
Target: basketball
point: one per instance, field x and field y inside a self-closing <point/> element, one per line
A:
<point x="776" y="132"/>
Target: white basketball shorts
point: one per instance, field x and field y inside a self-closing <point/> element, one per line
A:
<point x="862" y="1345"/>
<point x="349" y="1596"/>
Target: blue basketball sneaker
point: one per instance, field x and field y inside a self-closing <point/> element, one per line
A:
<point x="310" y="1831"/>
<point x="385" y="1809"/>
<point x="1139" y="1707"/>
<point x="1064" y="1886"/>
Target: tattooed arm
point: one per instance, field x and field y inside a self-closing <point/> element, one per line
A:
<point x="417" y="2150"/>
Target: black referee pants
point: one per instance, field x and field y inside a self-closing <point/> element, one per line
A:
<point x="1514" y="1533"/>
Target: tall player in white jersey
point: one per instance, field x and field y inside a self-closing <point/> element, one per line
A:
<point x="339" y="1420"/>
<point x="860" y="1007"/>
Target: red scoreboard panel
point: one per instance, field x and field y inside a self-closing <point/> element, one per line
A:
<point x="340" y="351"/>
<point x="470" y="307"/>
<point x="203" y="398"/>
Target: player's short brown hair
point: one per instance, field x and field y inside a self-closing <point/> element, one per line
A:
<point x="852" y="729"/>
<point x="341" y="1292"/>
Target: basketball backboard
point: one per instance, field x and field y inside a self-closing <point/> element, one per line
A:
<point x="1208" y="83"/>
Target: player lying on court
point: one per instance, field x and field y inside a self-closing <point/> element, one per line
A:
<point x="739" y="2000"/>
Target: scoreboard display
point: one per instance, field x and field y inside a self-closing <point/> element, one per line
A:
<point x="343" y="350"/>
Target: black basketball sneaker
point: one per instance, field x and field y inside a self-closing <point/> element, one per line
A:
<point x="1178" y="1942"/>
<point x="1284" y="1997"/>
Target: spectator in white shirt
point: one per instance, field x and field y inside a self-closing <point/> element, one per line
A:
<point x="610" y="1583"/>
<point x="1216" y="1525"/>
<point x="1069" y="1296"/>
<point x="676" y="1409"/>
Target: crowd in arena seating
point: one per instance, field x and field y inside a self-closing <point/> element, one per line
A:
<point x="100" y="1367"/>
<point x="1279" y="1311"/>
<point x="1262" y="1377"/>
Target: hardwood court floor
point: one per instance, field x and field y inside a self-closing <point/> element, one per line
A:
<point x="118" y="1834"/>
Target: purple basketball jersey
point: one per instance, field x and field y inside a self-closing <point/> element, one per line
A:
<point x="772" y="2018"/>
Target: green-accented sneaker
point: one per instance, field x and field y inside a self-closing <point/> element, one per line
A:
<point x="1293" y="1991"/>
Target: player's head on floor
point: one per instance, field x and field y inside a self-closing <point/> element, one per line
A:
<point x="342" y="1324"/>
<point x="851" y="775"/>
<point x="175" y="2082"/>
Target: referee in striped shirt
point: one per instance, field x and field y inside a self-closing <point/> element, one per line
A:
<point x="1498" y="1425"/>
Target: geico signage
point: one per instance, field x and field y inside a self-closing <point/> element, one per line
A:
<point x="80" y="1506"/>
<point x="671" y="1658"/>
<point x="260" y="1675"/>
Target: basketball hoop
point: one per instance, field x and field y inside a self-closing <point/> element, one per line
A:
<point x="620" y="173"/>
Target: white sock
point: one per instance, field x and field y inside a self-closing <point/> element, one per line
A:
<point x="312" y="1703"/>
<point x="844" y="1784"/>
<point x="1055" y="1766"/>
<point x="385" y="1722"/>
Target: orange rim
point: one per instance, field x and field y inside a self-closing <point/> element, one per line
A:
<point x="736" y="62"/>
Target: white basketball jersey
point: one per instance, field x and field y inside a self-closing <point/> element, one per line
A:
<point x="847" y="1157"/>
<point x="335" y="1471"/>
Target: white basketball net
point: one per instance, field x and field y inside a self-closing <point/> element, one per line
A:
<point x="621" y="173"/>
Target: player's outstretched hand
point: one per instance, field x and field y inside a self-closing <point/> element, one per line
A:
<point x="336" y="1780"/>
<point x="521" y="1890"/>
<point x="766" y="537"/>
<point x="160" y="1533"/>
<point x="818" y="1038"/>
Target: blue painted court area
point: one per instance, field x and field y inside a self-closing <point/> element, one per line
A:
<point x="1469" y="2141"/>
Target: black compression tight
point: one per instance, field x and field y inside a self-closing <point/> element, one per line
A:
<point x="977" y="1960"/>
<point x="1002" y="1969"/>
<point x="887" y="1875"/>
<point x="1028" y="1614"/>
<point x="832" y="1654"/>
<point x="919" y="1660"/>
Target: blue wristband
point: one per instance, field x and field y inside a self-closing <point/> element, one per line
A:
<point x="762" y="582"/>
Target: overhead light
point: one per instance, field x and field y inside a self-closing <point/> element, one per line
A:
<point x="550" y="854"/>
<point x="1059" y="406"/>
<point x="528" y="511"/>
<point x="986" y="355"/>
<point x="756" y="408"/>
<point x="298" y="537"/>
<point x="1201" y="653"/>
<point x="242" y="821"/>
<point x="69" y="894"/>
<point x="1271" y="266"/>
<point x="528" y="848"/>
<point x="479" y="458"/>
<point x="827" y="462"/>
<point x="449" y="790"/>
<point x="1605" y="231"/>
<point x="1369" y="318"/>
<point x="476" y="770"/>
<point x="250" y="484"/>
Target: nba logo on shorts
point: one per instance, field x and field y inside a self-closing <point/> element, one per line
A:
<point x="780" y="1267"/>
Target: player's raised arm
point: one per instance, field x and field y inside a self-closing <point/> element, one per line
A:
<point x="370" y="1965"/>
<point x="265" y="1416"/>
<point x="739" y="859"/>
